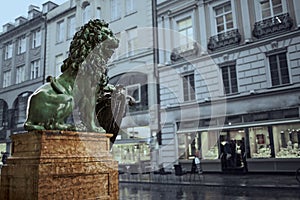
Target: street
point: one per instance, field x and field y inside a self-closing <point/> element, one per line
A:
<point x="156" y="191"/>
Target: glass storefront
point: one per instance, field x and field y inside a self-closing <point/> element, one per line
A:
<point x="259" y="141"/>
<point x="283" y="141"/>
<point x="206" y="142"/>
<point x="287" y="141"/>
<point x="131" y="153"/>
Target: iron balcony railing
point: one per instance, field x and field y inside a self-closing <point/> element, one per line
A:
<point x="271" y="25"/>
<point x="224" y="39"/>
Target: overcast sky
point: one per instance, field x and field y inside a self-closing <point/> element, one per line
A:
<point x="11" y="9"/>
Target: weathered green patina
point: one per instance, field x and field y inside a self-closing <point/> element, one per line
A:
<point x="82" y="83"/>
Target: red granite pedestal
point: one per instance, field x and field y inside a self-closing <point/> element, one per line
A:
<point x="60" y="165"/>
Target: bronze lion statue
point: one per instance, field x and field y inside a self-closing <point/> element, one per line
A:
<point x="82" y="83"/>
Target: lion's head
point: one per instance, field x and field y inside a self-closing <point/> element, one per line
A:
<point x="91" y="48"/>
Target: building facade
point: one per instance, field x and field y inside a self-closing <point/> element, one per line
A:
<point x="22" y="57"/>
<point x="229" y="84"/>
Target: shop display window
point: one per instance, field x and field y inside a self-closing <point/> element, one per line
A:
<point x="209" y="145"/>
<point x="205" y="142"/>
<point x="131" y="153"/>
<point x="287" y="141"/>
<point x="259" y="142"/>
<point x="188" y="143"/>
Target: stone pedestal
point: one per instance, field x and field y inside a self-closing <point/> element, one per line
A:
<point x="60" y="165"/>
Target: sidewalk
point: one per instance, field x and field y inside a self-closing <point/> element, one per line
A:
<point x="260" y="180"/>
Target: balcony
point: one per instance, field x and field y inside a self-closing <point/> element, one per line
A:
<point x="224" y="39"/>
<point x="184" y="51"/>
<point x="272" y="25"/>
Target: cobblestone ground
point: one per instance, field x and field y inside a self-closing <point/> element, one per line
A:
<point x="136" y="191"/>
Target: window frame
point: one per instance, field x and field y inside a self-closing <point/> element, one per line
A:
<point x="36" y="38"/>
<point x="213" y="22"/>
<point x="191" y="95"/>
<point x="134" y="87"/>
<point x="86" y="12"/>
<point x="230" y="79"/>
<point x="132" y="41"/>
<point x="115" y="9"/>
<point x="8" y="50"/>
<point x="277" y="53"/>
<point x="71" y="26"/>
<point x="20" y="74"/>
<point x="35" y="69"/>
<point x="21" y="44"/>
<point x="258" y="9"/>
<point x="60" y="31"/>
<point x="7" y="78"/>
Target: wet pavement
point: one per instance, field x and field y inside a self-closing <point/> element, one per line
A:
<point x="137" y="191"/>
<point x="210" y="187"/>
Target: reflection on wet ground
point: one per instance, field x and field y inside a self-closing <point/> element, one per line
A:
<point x="184" y="192"/>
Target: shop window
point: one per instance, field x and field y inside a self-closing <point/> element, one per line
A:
<point x="206" y="143"/>
<point x="187" y="145"/>
<point x="209" y="145"/>
<point x="287" y="141"/>
<point x="279" y="69"/>
<point x="229" y="79"/>
<point x="259" y="142"/>
<point x="131" y="153"/>
<point x="188" y="87"/>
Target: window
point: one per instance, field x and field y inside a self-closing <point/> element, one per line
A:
<point x="86" y="14"/>
<point x="59" y="61"/>
<point x="71" y="27"/>
<point x="187" y="145"/>
<point x="209" y="145"/>
<point x="6" y="79"/>
<point x="35" y="69"/>
<point x="115" y="9"/>
<point x="185" y="28"/>
<point x="224" y="19"/>
<point x="229" y="79"/>
<point x="189" y="87"/>
<point x="3" y="113"/>
<point x="22" y="107"/>
<point x="130" y="6"/>
<point x="20" y="74"/>
<point x="131" y="41"/>
<point x="21" y="44"/>
<point x="98" y="13"/>
<point x="279" y="69"/>
<point x="271" y="8"/>
<point x="259" y="142"/>
<point x="60" y="31"/>
<point x="8" y="51"/>
<point x="134" y="91"/>
<point x="287" y="141"/>
<point x="36" y="38"/>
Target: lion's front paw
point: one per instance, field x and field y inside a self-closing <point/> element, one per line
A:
<point x="99" y="130"/>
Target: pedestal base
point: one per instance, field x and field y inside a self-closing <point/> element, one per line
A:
<point x="60" y="165"/>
